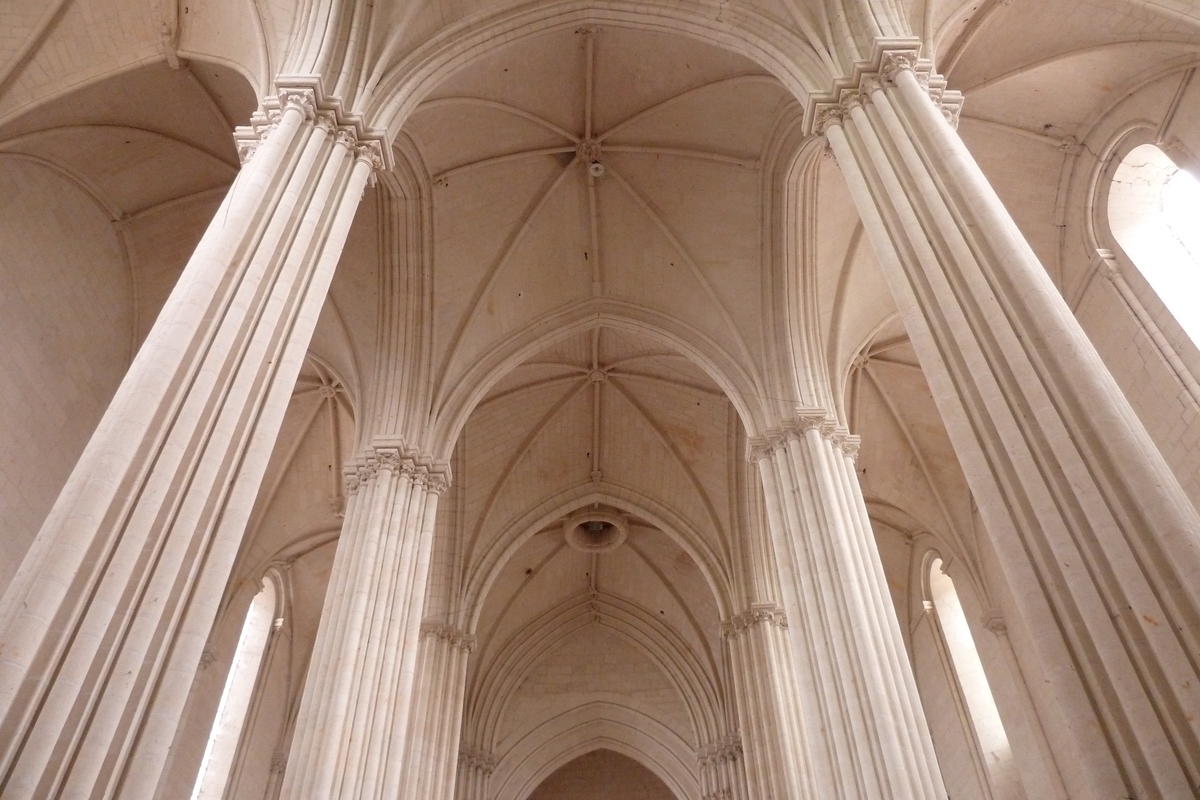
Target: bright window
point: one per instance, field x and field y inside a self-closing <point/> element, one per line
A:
<point x="985" y="717"/>
<point x="235" y="699"/>
<point x="1154" y="212"/>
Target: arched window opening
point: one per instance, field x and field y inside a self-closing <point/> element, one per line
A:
<point x="222" y="746"/>
<point x="977" y="693"/>
<point x="1154" y="213"/>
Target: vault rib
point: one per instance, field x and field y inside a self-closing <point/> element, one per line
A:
<point x="538" y="384"/>
<point x="501" y="159"/>
<point x="734" y="81"/>
<point x="699" y="387"/>
<point x="519" y="454"/>
<point x="561" y="547"/>
<point x="498" y="106"/>
<point x="490" y="278"/>
<point x="8" y="145"/>
<point x="687" y="610"/>
<point x="677" y="245"/>
<point x="683" y="152"/>
<point x="713" y="518"/>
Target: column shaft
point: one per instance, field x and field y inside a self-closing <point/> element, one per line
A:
<point x="866" y="735"/>
<point x="104" y="624"/>
<point x="354" y="722"/>
<point x="772" y="753"/>
<point x="1098" y="541"/>
<point x="437" y="713"/>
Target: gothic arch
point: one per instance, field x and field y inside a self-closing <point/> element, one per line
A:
<point x="742" y="386"/>
<point x="789" y="58"/>
<point x="519" y="656"/>
<point x="481" y="578"/>
<point x="596" y="725"/>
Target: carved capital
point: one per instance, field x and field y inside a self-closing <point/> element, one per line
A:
<point x="455" y="637"/>
<point x="951" y="104"/>
<point x="891" y="58"/>
<point x="893" y="62"/>
<point x="370" y="152"/>
<point x="871" y="84"/>
<point x="854" y="98"/>
<point x="851" y="445"/>
<point x="246" y="148"/>
<point x="827" y="115"/>
<point x="757" y="614"/>
<point x="300" y="98"/>
<point x="757" y="449"/>
<point x="389" y="458"/>
<point x="727" y="749"/>
<point x="437" y="483"/>
<point x="304" y="93"/>
<point x="810" y="419"/>
<point x="478" y="759"/>
<point x="326" y="121"/>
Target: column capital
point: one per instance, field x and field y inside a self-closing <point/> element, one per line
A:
<point x="397" y="459"/>
<point x="757" y="614"/>
<point x="479" y="759"/>
<point x="305" y="93"/>
<point x="727" y="748"/>
<point x="443" y="631"/>
<point x="891" y="57"/>
<point x="758" y="449"/>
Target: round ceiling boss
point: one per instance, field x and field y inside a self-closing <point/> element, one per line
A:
<point x="595" y="531"/>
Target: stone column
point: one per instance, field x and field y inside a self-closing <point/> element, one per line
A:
<point x="475" y="768"/>
<point x="762" y="672"/>
<point x="763" y="678"/>
<point x="866" y="735"/>
<point x="433" y="743"/>
<point x="354" y="719"/>
<point x="721" y="773"/>
<point x="103" y="626"/>
<point x="1099" y="544"/>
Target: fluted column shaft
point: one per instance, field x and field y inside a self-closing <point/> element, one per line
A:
<point x="763" y="678"/>
<point x="475" y="769"/>
<point x="865" y="731"/>
<point x="722" y="776"/>
<point x="1098" y="542"/>
<point x="103" y="626"/>
<point x="353" y="724"/>
<point x="437" y="713"/>
<point x="771" y="752"/>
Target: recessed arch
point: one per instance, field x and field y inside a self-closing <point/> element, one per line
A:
<point x="480" y="581"/>
<point x="592" y="726"/>
<point x="507" y="671"/>
<point x="780" y="52"/>
<point x="742" y="387"/>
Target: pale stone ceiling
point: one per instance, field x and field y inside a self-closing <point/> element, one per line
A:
<point x="673" y="226"/>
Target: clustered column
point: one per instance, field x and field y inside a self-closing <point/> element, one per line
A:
<point x="105" y="622"/>
<point x="437" y="712"/>
<point x="1098" y="542"/>
<point x="475" y="768"/>
<point x="353" y="724"/>
<point x="866" y="735"/>
<point x="763" y="677"/>
<point x="721" y="774"/>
